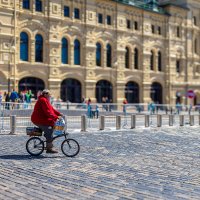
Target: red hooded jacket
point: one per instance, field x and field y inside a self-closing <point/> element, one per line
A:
<point x="44" y="113"/>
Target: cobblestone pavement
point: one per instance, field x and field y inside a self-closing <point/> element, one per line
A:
<point x="133" y="164"/>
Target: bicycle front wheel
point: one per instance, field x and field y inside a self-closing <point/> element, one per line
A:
<point x="70" y="147"/>
<point x="35" y="146"/>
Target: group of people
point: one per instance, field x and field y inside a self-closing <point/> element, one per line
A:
<point x="17" y="97"/>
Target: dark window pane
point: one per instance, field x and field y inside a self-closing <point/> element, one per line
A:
<point x="38" y="5"/>
<point x="26" y="4"/>
<point x="108" y="19"/>
<point x="159" y="62"/>
<point x="127" y="58"/>
<point x="159" y="30"/>
<point x="178" y="66"/>
<point x="77" y="53"/>
<point x="178" y="32"/>
<point x="23" y="46"/>
<point x="66" y="11"/>
<point x="136" y="58"/>
<point x="128" y="24"/>
<point x="98" y="54"/>
<point x="100" y="18"/>
<point x="76" y="13"/>
<point x="38" y="48"/>
<point x="109" y="54"/>
<point x="152" y="60"/>
<point x="64" y="51"/>
<point x="136" y="25"/>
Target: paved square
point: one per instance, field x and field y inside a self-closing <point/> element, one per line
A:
<point x="132" y="164"/>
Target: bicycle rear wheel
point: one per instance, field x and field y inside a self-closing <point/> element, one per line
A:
<point x="35" y="146"/>
<point x="70" y="147"/>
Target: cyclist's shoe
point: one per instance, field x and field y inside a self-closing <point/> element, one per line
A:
<point x="51" y="151"/>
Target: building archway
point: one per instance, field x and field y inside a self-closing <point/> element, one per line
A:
<point x="132" y="92"/>
<point x="31" y="83"/>
<point x="156" y="93"/>
<point x="104" y="89"/>
<point x="71" y="90"/>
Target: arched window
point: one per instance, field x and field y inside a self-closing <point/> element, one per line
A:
<point x="64" y="51"/>
<point x="23" y="46"/>
<point x="38" y="5"/>
<point x="108" y="55"/>
<point x="159" y="61"/>
<point x="127" y="58"/>
<point x="152" y="61"/>
<point x="77" y="52"/>
<point x="136" y="58"/>
<point x="98" y="54"/>
<point x="26" y="4"/>
<point x="38" y="48"/>
<point x="195" y="46"/>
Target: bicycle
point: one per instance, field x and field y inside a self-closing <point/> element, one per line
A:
<point x="36" y="145"/>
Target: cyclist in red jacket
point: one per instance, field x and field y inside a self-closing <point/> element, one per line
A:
<point x="44" y="116"/>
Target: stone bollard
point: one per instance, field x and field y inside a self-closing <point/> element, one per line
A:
<point x="118" y="122"/>
<point x="133" y="120"/>
<point x="102" y="123"/>
<point x="159" y="120"/>
<point x="181" y="117"/>
<point x="146" y="120"/>
<point x="12" y="124"/>
<point x="83" y="123"/>
<point x="171" y="120"/>
<point x="191" y="120"/>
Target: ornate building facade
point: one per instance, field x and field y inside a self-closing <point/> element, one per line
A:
<point x="141" y="50"/>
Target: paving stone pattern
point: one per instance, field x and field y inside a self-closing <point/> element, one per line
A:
<point x="133" y="164"/>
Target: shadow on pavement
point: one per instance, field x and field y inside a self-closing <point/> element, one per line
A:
<point x="26" y="157"/>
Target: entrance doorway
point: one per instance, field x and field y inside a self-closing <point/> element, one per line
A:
<point x="156" y="93"/>
<point x="132" y="92"/>
<point x="104" y="89"/>
<point x="71" y="90"/>
<point x="31" y="83"/>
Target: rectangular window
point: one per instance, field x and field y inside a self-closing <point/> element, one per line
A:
<point x="159" y="30"/>
<point x="108" y="19"/>
<point x="128" y="24"/>
<point x="100" y="18"/>
<point x="38" y="5"/>
<point x="26" y="4"/>
<point x="76" y="13"/>
<point x="178" y="66"/>
<point x="66" y="11"/>
<point x="152" y="28"/>
<point x="136" y="25"/>
<point x="178" y="32"/>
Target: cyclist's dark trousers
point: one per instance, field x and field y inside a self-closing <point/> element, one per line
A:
<point x="48" y="132"/>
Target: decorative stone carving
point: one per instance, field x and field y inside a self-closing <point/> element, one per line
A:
<point x="55" y="71"/>
<point x="91" y="73"/>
